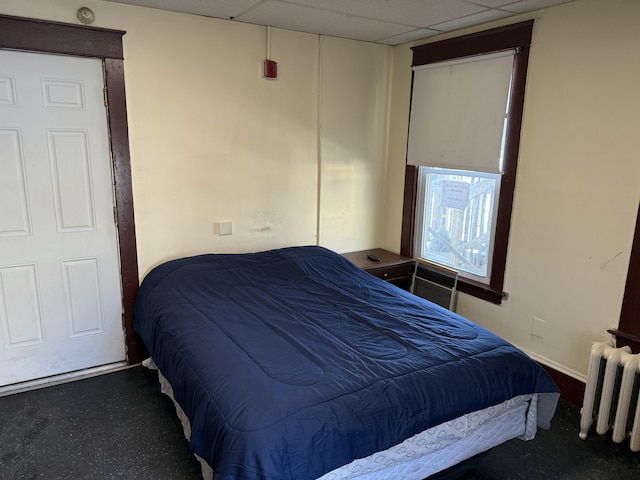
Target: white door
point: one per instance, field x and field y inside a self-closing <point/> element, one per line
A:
<point x="60" y="292"/>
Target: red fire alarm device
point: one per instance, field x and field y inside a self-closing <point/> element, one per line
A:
<point x="270" y="69"/>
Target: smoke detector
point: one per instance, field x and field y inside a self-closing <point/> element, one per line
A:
<point x="85" y="15"/>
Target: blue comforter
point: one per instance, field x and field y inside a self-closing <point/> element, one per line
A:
<point x="293" y="362"/>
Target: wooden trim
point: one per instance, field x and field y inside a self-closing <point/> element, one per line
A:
<point x="494" y="40"/>
<point x="20" y="33"/>
<point x="409" y="210"/>
<point x="119" y="130"/>
<point x="517" y="36"/>
<point x="480" y="290"/>
<point x="629" y="326"/>
<point x="50" y="37"/>
<point x="508" y="182"/>
<point x="624" y="339"/>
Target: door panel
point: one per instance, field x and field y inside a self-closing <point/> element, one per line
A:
<point x="60" y="292"/>
<point x="72" y="192"/>
<point x="15" y="218"/>
<point x="21" y="316"/>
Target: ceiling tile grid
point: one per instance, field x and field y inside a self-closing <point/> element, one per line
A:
<point x="389" y="22"/>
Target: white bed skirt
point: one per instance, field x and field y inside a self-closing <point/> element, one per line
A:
<point x="428" y="452"/>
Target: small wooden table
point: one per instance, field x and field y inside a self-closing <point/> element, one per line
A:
<point x="392" y="267"/>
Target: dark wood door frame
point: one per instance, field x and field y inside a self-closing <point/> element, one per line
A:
<point x="628" y="331"/>
<point x="27" y="34"/>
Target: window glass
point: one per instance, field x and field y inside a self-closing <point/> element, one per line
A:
<point x="456" y="220"/>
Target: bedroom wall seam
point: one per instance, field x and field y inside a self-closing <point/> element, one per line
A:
<point x="385" y="170"/>
<point x="319" y="142"/>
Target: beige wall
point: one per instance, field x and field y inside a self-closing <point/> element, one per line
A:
<point x="287" y="160"/>
<point x="355" y="93"/>
<point x="213" y="141"/>
<point x="578" y="182"/>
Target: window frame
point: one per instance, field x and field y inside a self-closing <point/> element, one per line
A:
<point x="516" y="36"/>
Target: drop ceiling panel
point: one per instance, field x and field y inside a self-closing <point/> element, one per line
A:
<point x="383" y="21"/>
<point x="307" y="19"/>
<point x="210" y="8"/>
<point x="409" y="36"/>
<point x="475" y="19"/>
<point x="492" y="3"/>
<point x="418" y="13"/>
<point x="530" y="5"/>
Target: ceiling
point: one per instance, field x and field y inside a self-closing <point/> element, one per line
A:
<point x="389" y="22"/>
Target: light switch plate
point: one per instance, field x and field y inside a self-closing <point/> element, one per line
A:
<point x="538" y="327"/>
<point x="225" y="228"/>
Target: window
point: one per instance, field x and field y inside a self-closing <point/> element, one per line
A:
<point x="461" y="166"/>
<point x="456" y="221"/>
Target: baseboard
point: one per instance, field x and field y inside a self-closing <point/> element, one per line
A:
<point x="63" y="378"/>
<point x="571" y="389"/>
<point x="570" y="382"/>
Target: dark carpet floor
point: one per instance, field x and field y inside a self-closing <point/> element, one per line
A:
<point x="119" y="426"/>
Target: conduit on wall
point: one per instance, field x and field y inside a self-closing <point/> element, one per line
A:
<point x="270" y="66"/>
<point x="319" y="140"/>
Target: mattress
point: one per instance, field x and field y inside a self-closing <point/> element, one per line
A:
<point x="292" y="363"/>
<point x="426" y="453"/>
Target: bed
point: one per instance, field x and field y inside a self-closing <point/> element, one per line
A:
<point x="295" y="364"/>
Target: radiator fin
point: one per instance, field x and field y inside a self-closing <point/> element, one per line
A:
<point x="612" y="393"/>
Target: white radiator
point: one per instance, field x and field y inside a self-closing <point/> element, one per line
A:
<point x="611" y="394"/>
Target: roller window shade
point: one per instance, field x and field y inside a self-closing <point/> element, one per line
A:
<point x="458" y="112"/>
